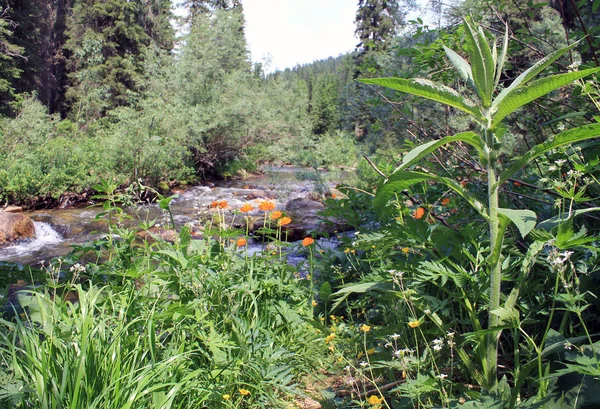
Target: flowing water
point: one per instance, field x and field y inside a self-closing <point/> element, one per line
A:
<point x="58" y="229"/>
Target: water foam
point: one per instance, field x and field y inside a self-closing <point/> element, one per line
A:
<point x="44" y="235"/>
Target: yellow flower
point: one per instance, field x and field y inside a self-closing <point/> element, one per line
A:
<point x="370" y="351"/>
<point x="329" y="338"/>
<point x="226" y="397"/>
<point x="314" y="303"/>
<point x="405" y="250"/>
<point x="414" y="324"/>
<point x="244" y="392"/>
<point x="365" y="328"/>
<point x="375" y="400"/>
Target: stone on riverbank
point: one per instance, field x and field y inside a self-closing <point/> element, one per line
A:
<point x="15" y="226"/>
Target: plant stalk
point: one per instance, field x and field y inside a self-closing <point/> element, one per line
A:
<point x="495" y="262"/>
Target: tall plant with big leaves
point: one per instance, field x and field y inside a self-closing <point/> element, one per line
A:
<point x="488" y="109"/>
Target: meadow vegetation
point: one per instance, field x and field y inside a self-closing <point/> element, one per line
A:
<point x="469" y="278"/>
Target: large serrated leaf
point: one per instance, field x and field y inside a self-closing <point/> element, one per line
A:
<point x="525" y="220"/>
<point x="535" y="90"/>
<point x="530" y="73"/>
<point x="401" y="180"/>
<point x="421" y="151"/>
<point x="428" y="89"/>
<point x="570" y="136"/>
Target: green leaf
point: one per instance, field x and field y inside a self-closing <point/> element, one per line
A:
<point x="428" y="89"/>
<point x="570" y="136"/>
<point x="502" y="59"/>
<point x="525" y="220"/>
<point x="176" y="256"/>
<point x="530" y="73"/>
<point x="538" y="88"/>
<point x="482" y="63"/>
<point x="462" y="66"/>
<point x="551" y="223"/>
<point x="164" y="202"/>
<point x="423" y="150"/>
<point x="401" y="180"/>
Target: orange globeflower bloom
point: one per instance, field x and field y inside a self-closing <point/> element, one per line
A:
<point x="284" y="221"/>
<point x="419" y="213"/>
<point x="276" y="215"/>
<point x="445" y="201"/>
<point x="307" y="241"/>
<point x="241" y="242"/>
<point x="246" y="207"/>
<point x="220" y="204"/>
<point x="266" y="205"/>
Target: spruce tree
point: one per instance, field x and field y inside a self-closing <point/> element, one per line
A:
<point x="106" y="43"/>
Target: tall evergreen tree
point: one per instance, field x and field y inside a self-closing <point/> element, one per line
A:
<point x="9" y="70"/>
<point x="106" y="46"/>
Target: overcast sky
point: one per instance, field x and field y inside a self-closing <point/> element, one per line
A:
<point x="291" y="32"/>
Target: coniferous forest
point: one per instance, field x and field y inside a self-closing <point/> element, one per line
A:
<point x="456" y="265"/>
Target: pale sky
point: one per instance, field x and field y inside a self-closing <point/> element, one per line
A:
<point x="291" y="32"/>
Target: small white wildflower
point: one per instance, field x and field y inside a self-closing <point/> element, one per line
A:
<point x="560" y="162"/>
<point x="552" y="168"/>
<point x="397" y="353"/>
<point x="387" y="345"/>
<point x="437" y="347"/>
<point x="450" y="334"/>
<point x="442" y="376"/>
<point x="395" y="336"/>
<point x="427" y="311"/>
<point x="347" y="368"/>
<point x="364" y="364"/>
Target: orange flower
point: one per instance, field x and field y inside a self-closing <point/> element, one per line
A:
<point x="220" y="204"/>
<point x="517" y="184"/>
<point x="445" y="201"/>
<point x="246" y="207"/>
<point x="241" y="242"/>
<point x="419" y="213"/>
<point x="284" y="221"/>
<point x="276" y="215"/>
<point x="266" y="205"/>
<point x="307" y="241"/>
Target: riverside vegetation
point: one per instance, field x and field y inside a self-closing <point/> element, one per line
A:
<point x="429" y="303"/>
